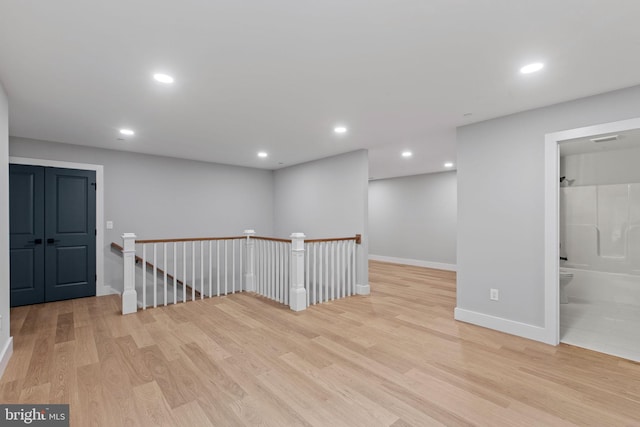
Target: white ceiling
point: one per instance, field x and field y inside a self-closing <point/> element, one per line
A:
<point x="278" y="75"/>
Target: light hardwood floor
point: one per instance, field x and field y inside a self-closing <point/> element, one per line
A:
<point x="394" y="358"/>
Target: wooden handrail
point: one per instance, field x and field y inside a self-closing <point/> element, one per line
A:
<point x="357" y="238"/>
<point x="271" y="239"/>
<point x="189" y="239"/>
<point x="160" y="271"/>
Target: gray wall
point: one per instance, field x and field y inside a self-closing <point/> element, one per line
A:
<point x="325" y="198"/>
<point x="4" y="223"/>
<point x="414" y="218"/>
<point x="160" y="197"/>
<point x="602" y="168"/>
<point x="501" y="202"/>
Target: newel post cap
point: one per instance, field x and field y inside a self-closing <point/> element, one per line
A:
<point x="297" y="236"/>
<point x="129" y="242"/>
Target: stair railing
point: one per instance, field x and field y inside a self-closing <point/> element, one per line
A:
<point x="293" y="271"/>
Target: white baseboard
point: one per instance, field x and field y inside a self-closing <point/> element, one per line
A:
<point x="363" y="289"/>
<point x="414" y="262"/>
<point x="512" y="327"/>
<point x="7" y="351"/>
<point x="106" y="290"/>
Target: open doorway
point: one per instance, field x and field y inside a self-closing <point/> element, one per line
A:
<point x="592" y="226"/>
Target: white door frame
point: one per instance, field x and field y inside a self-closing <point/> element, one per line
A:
<point x="552" y="215"/>
<point x="101" y="289"/>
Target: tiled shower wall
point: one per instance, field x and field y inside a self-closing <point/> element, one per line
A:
<point x="600" y="227"/>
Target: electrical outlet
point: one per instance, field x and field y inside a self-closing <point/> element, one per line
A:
<point x="494" y="295"/>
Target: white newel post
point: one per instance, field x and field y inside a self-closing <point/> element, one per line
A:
<point x="249" y="277"/>
<point x="362" y="279"/>
<point x="129" y="296"/>
<point x="297" y="293"/>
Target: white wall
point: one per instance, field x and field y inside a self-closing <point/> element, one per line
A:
<point x="413" y="219"/>
<point x="604" y="167"/>
<point x="325" y="198"/>
<point x="160" y="197"/>
<point x="501" y="208"/>
<point x="6" y="346"/>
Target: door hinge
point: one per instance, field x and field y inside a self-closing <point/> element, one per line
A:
<point x="96" y="278"/>
<point x="95" y="186"/>
<point x="95" y="231"/>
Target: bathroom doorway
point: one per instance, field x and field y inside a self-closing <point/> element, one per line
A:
<point x="597" y="239"/>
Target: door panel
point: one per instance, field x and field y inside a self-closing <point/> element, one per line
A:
<point x="70" y="224"/>
<point x="52" y="225"/>
<point x="26" y="219"/>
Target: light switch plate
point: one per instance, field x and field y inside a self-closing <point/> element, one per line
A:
<point x="109" y="225"/>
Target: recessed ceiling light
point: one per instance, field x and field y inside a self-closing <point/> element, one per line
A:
<point x="262" y="154"/>
<point x="448" y="165"/>
<point x="128" y="132"/>
<point x="532" y="68"/>
<point x="163" y="78"/>
<point x="340" y="130"/>
<point x="407" y="154"/>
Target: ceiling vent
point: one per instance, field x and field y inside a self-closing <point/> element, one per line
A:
<point x="605" y="138"/>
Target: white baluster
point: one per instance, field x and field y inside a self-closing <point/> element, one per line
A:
<point x="233" y="266"/>
<point x="201" y="269"/>
<point x="337" y="271"/>
<point x="218" y="267"/>
<point x="274" y="270"/>
<point x="258" y="246"/>
<point x="321" y="270"/>
<point x="193" y="271"/>
<point x="210" y="267"/>
<point x="175" y="273"/>
<point x="327" y="279"/>
<point x="155" y="275"/>
<point x="340" y="267"/>
<point x="164" y="267"/>
<point x="332" y="268"/>
<point x="240" y="266"/>
<point x="283" y="248"/>
<point x="184" y="271"/>
<point x="226" y="268"/>
<point x="348" y="261"/>
<point x="263" y="277"/>
<point x="144" y="276"/>
<point x="287" y="281"/>
<point x="354" y="267"/>
<point x="270" y="270"/>
<point x="315" y="273"/>
<point x="280" y="273"/>
<point x="129" y="295"/>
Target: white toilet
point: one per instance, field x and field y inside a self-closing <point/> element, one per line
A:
<point x="565" y="279"/>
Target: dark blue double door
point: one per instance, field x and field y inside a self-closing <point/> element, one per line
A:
<point x="53" y="234"/>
